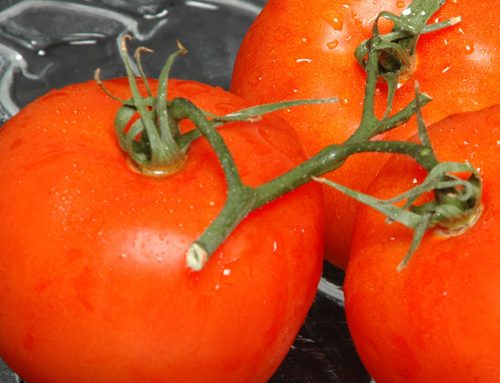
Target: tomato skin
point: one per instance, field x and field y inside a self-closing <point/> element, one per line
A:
<point x="436" y="320"/>
<point x="94" y="283"/>
<point x="298" y="50"/>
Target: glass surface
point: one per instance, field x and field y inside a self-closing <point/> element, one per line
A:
<point x="48" y="44"/>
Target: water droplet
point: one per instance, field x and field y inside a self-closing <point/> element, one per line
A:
<point x="469" y="47"/>
<point x="332" y="44"/>
<point x="226" y="272"/>
<point x="337" y="22"/>
<point x="255" y="78"/>
<point x="303" y="60"/>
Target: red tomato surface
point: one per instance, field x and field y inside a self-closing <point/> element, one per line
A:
<point x="95" y="286"/>
<point x="438" y="320"/>
<point x="305" y="49"/>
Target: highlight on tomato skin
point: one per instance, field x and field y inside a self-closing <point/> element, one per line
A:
<point x="94" y="283"/>
<point x="437" y="319"/>
<point x="288" y="55"/>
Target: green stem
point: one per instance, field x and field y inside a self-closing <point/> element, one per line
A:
<point x="250" y="114"/>
<point x="242" y="199"/>
<point x="332" y="158"/>
<point x="154" y="141"/>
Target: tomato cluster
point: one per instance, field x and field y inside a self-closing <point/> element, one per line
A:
<point x="93" y="255"/>
<point x="286" y="55"/>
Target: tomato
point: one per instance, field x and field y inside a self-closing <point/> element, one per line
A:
<point x="95" y="286"/>
<point x="297" y="50"/>
<point x="438" y="319"/>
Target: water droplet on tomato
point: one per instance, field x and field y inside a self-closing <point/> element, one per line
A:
<point x="332" y="44"/>
<point x="469" y="47"/>
<point x="275" y="247"/>
<point x="304" y="60"/>
<point x="255" y="78"/>
<point x="337" y="22"/>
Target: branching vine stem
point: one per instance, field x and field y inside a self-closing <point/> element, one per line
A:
<point x="154" y="139"/>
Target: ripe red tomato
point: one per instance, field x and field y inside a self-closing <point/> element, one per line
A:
<point x="298" y="49"/>
<point x="438" y="319"/>
<point x="95" y="286"/>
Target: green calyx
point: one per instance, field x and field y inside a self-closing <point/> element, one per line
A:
<point x="396" y="50"/>
<point x="147" y="126"/>
<point x="144" y="127"/>
<point x="454" y="209"/>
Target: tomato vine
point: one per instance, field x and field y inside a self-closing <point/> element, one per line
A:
<point x="154" y="141"/>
